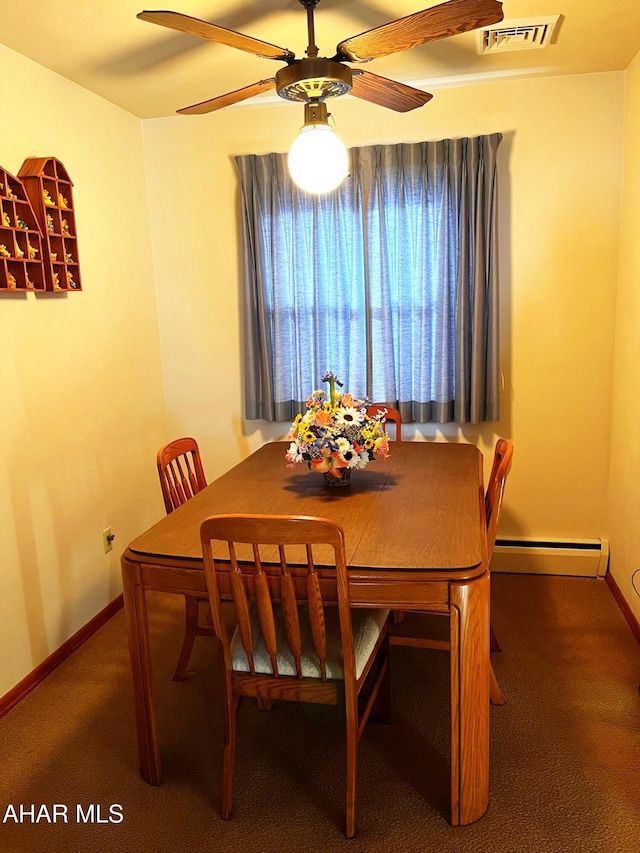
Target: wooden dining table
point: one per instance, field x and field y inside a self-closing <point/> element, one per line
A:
<point x="415" y="537"/>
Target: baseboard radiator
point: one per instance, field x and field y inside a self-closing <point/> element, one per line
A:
<point x="579" y="558"/>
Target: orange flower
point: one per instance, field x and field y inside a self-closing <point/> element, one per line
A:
<point x="337" y="471"/>
<point x="347" y="400"/>
<point x="322" y="464"/>
<point x="323" y="418"/>
<point x="381" y="447"/>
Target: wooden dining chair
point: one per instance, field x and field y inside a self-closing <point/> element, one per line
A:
<point x="501" y="466"/>
<point x="291" y="641"/>
<point x="181" y="477"/>
<point x="391" y="415"/>
<point x="502" y="461"/>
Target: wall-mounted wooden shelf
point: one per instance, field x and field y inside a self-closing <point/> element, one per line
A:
<point x="49" y="189"/>
<point x="21" y="261"/>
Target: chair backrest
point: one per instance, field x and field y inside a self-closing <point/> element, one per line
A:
<point x="180" y="471"/>
<point x="270" y="564"/>
<point x="502" y="459"/>
<point x="390" y="414"/>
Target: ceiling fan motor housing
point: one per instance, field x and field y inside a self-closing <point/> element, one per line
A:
<point x="313" y="78"/>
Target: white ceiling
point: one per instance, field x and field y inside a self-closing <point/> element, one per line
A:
<point x="152" y="71"/>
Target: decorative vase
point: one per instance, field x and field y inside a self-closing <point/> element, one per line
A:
<point x="343" y="480"/>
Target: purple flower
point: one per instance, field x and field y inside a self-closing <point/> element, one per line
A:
<point x="328" y="377"/>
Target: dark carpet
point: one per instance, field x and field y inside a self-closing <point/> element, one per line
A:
<point x="565" y="749"/>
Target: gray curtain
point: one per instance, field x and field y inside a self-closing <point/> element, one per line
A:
<point x="391" y="282"/>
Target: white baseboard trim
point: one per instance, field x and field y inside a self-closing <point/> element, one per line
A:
<point x="578" y="557"/>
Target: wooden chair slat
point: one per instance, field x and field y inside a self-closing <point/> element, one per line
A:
<point x="176" y="498"/>
<point x="241" y="603"/>
<point x="178" y="481"/>
<point x="290" y="613"/>
<point x="191" y="474"/>
<point x="183" y="482"/>
<point x="316" y="613"/>
<point x="265" y="610"/>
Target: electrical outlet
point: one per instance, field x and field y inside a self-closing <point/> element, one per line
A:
<point x="107" y="540"/>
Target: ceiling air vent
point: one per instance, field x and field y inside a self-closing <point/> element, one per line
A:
<point x="517" y="34"/>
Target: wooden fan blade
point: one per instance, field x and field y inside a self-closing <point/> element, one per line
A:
<point x="387" y="93"/>
<point x="447" y="19"/>
<point x="196" y="27"/>
<point x="230" y="98"/>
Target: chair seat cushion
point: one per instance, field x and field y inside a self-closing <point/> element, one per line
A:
<point x="367" y="626"/>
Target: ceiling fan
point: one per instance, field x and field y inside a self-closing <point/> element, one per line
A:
<point x="313" y="79"/>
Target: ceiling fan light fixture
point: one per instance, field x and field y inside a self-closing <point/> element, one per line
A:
<point x="318" y="160"/>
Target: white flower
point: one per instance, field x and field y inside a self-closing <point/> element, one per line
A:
<point x="343" y="445"/>
<point x="352" y="459"/>
<point x="294" y="454"/>
<point x="361" y="460"/>
<point x="349" y="416"/>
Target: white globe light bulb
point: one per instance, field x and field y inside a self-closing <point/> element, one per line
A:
<point x="318" y="160"/>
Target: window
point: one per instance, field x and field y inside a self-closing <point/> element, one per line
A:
<point x="390" y="282"/>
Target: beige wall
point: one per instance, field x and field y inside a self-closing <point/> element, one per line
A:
<point x="624" y="488"/>
<point x="82" y="409"/>
<point x="560" y="187"/>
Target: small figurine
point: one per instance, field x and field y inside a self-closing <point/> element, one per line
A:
<point x="47" y="198"/>
<point x="22" y="224"/>
<point x="62" y="202"/>
<point x="11" y="282"/>
<point x="5" y="219"/>
<point x="4" y="251"/>
<point x="11" y="194"/>
<point x="18" y="250"/>
<point x="31" y="250"/>
<point x="68" y="258"/>
<point x="49" y="222"/>
<point x="54" y="256"/>
<point x="70" y="280"/>
<point x="30" y="283"/>
<point x="56" y="282"/>
<point x="65" y="227"/>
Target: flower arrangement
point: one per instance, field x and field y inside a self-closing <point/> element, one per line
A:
<point x="336" y="435"/>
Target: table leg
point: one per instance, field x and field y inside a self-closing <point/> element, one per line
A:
<point x="135" y="607"/>
<point x="469" y="700"/>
